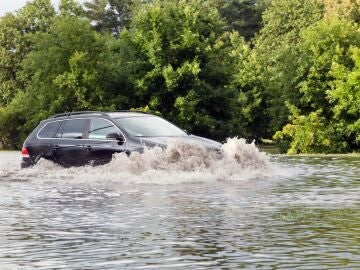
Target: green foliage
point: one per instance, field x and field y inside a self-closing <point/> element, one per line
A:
<point x="12" y="50"/>
<point x="329" y="101"/>
<point x="185" y="66"/>
<point x="345" y="97"/>
<point x="15" y="44"/>
<point x="110" y="16"/>
<point x="12" y="119"/>
<point x="309" y="134"/>
<point x="250" y="115"/>
<point x="71" y="8"/>
<point x="124" y="9"/>
<point x="243" y="16"/>
<point x="36" y="15"/>
<point x="79" y="80"/>
<point x="344" y="9"/>
<point x="195" y="62"/>
<point x="277" y="55"/>
<point x="324" y="44"/>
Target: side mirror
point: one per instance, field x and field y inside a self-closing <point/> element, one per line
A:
<point x="116" y="136"/>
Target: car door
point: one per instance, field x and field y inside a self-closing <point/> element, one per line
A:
<point x="45" y="139"/>
<point x="98" y="148"/>
<point x="68" y="150"/>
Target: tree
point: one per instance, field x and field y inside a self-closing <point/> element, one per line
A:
<point x="81" y="79"/>
<point x="329" y="91"/>
<point x="71" y="8"/>
<point x="276" y="55"/>
<point x="124" y="10"/>
<point x="343" y="9"/>
<point x="344" y="96"/>
<point x="16" y="30"/>
<point x="12" y="119"/>
<point x="12" y="50"/>
<point x="185" y="66"/>
<point x="110" y="15"/>
<point x="15" y="44"/>
<point x="244" y="16"/>
<point x="37" y="15"/>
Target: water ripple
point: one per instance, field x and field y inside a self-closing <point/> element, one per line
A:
<point x="306" y="217"/>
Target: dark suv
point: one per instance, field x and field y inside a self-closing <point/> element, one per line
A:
<point x="91" y="138"/>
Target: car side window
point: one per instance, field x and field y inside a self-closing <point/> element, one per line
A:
<point x="49" y="130"/>
<point x="73" y="129"/>
<point x="99" y="128"/>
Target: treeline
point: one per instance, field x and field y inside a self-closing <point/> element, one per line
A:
<point x="278" y="69"/>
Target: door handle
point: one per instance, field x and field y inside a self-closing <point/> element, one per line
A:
<point x="56" y="147"/>
<point x="88" y="148"/>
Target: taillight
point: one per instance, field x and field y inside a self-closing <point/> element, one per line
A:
<point x="25" y="152"/>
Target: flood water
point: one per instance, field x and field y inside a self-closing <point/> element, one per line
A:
<point x="155" y="213"/>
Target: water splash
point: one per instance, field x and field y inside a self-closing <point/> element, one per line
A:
<point x="179" y="162"/>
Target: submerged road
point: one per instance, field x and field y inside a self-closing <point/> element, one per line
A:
<point x="302" y="213"/>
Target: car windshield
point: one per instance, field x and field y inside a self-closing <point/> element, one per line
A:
<point x="149" y="126"/>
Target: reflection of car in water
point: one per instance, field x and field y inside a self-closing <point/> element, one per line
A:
<point x="81" y="138"/>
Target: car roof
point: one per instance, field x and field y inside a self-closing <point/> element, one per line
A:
<point x="127" y="114"/>
<point x="114" y="114"/>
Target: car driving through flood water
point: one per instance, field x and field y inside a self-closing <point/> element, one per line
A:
<point x="92" y="138"/>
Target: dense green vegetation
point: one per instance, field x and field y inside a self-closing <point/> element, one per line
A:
<point x="259" y="69"/>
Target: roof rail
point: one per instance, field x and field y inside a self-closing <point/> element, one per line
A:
<point x="132" y="111"/>
<point x="77" y="113"/>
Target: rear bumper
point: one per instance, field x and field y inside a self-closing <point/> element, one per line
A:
<point x="26" y="163"/>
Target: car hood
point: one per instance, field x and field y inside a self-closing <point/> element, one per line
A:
<point x="163" y="141"/>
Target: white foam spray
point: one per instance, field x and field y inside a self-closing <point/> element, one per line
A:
<point x="179" y="162"/>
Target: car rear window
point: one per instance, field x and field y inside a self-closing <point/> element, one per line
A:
<point x="49" y="130"/>
<point x="73" y="129"/>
